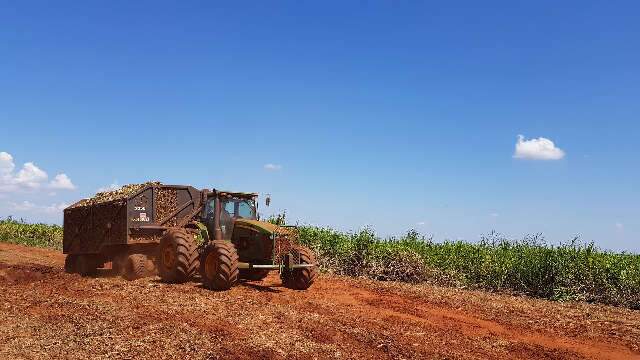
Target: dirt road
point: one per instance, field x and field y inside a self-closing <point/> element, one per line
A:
<point x="45" y="313"/>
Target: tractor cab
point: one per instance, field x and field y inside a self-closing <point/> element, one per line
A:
<point x="232" y="216"/>
<point x="223" y="208"/>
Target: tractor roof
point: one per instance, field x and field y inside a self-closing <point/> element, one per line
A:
<point x="237" y="194"/>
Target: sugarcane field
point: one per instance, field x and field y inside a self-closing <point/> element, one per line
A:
<point x="319" y="180"/>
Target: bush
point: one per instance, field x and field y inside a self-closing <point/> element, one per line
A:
<point x="39" y="235"/>
<point x="572" y="271"/>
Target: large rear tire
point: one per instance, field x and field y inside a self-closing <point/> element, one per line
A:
<point x="178" y="256"/>
<point x="219" y="265"/>
<point x="302" y="278"/>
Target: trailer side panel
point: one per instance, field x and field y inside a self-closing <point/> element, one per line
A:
<point x="90" y="229"/>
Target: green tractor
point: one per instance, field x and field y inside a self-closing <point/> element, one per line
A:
<point x="224" y="241"/>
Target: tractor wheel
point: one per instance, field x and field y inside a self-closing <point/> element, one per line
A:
<point x="300" y="279"/>
<point x="85" y="265"/>
<point x="219" y="265"/>
<point x="178" y="256"/>
<point x="135" y="267"/>
<point x="70" y="264"/>
<point x="253" y="275"/>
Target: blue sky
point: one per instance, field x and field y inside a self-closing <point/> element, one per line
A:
<point x="395" y="115"/>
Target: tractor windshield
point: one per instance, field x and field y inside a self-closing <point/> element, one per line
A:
<point x="239" y="208"/>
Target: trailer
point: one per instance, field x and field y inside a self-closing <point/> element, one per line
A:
<point x="99" y="232"/>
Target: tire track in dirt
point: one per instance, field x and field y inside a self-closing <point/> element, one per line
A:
<point x="472" y="326"/>
<point x="429" y="317"/>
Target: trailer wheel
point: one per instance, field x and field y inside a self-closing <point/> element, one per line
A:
<point x="85" y="265"/>
<point x="70" y="264"/>
<point x="219" y="265"/>
<point x="135" y="267"/>
<point x="253" y="275"/>
<point x="300" y="279"/>
<point x="178" y="256"/>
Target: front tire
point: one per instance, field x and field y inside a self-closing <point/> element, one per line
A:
<point x="219" y="265"/>
<point x="178" y="256"/>
<point x="302" y="278"/>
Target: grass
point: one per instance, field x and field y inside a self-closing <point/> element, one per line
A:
<point x="529" y="266"/>
<point x="38" y="235"/>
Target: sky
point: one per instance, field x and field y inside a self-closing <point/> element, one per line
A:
<point x="451" y="118"/>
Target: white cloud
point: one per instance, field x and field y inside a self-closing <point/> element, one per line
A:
<point x="6" y="163"/>
<point x="537" y="149"/>
<point x="421" y="223"/>
<point x="6" y="171"/>
<point x="272" y="167"/>
<point x="112" y="187"/>
<point x="62" y="182"/>
<point x="494" y="215"/>
<point x="27" y="206"/>
<point x="29" y="177"/>
<point x="619" y="226"/>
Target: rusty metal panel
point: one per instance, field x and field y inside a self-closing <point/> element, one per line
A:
<point x="88" y="228"/>
<point x="183" y="198"/>
<point x="140" y="209"/>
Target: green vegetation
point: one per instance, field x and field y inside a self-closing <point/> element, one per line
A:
<point x="572" y="271"/>
<point x="39" y="235"/>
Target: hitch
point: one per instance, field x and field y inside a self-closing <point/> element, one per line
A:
<point x="287" y="265"/>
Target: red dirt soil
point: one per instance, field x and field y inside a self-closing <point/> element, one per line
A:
<point x="45" y="313"/>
